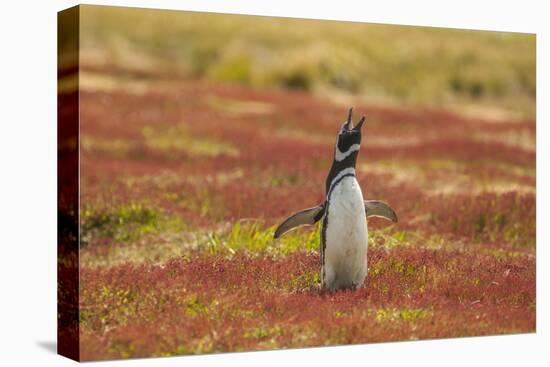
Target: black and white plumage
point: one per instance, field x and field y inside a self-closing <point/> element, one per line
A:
<point x="344" y="231"/>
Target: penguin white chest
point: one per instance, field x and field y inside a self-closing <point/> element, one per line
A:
<point x="346" y="237"/>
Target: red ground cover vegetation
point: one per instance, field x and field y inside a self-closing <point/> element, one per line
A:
<point x="460" y="262"/>
<point x="213" y="304"/>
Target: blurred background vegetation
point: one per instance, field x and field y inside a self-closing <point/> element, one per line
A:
<point x="487" y="73"/>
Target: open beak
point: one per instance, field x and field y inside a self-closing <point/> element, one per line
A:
<point x="359" y="124"/>
<point x="349" y="125"/>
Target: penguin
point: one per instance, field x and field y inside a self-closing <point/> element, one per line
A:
<point x="343" y="216"/>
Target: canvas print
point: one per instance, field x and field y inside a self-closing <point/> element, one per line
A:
<point x="232" y="183"/>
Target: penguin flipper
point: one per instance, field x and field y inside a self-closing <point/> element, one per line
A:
<point x="303" y="217"/>
<point x="377" y="208"/>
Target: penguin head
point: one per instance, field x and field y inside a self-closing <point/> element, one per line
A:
<point x="349" y="135"/>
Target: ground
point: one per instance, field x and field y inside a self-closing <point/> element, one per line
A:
<point x="184" y="180"/>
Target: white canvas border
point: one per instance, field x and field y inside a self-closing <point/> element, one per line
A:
<point x="28" y="154"/>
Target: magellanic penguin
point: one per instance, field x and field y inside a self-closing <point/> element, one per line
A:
<point x="344" y="213"/>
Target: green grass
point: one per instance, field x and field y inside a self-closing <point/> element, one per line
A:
<point x="251" y="237"/>
<point x="394" y="63"/>
<point x="139" y="234"/>
<point x="195" y="306"/>
<point x="164" y="139"/>
<point x="263" y="332"/>
<point x="124" y="223"/>
<point x="169" y="139"/>
<point x="406" y="314"/>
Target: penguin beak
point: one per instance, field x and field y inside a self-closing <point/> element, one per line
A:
<point x="349" y="125"/>
<point x="359" y="124"/>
